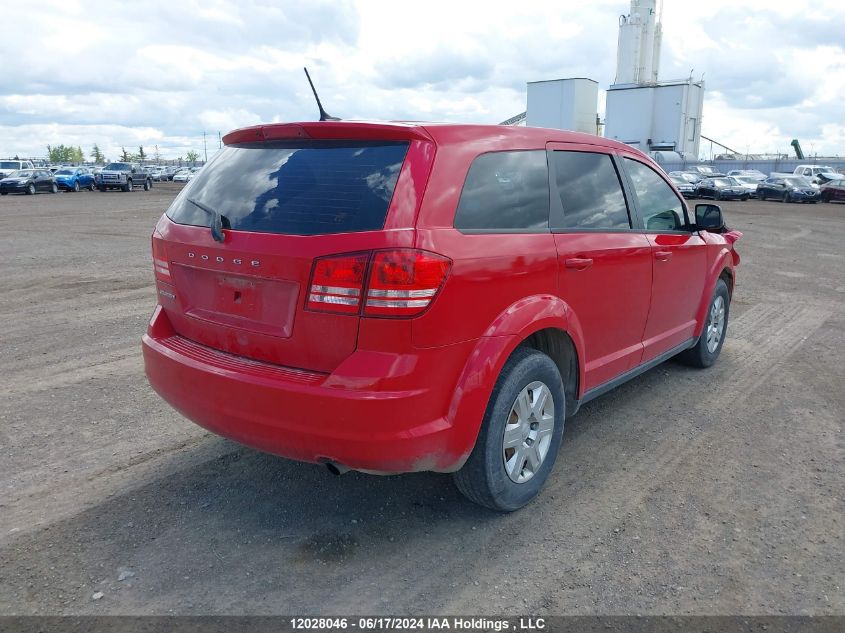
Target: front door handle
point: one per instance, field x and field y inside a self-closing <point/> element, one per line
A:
<point x="662" y="255"/>
<point x="578" y="263"/>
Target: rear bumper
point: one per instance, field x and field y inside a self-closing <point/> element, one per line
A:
<point x="347" y="417"/>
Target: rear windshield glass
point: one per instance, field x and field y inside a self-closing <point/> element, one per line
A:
<point x="311" y="188"/>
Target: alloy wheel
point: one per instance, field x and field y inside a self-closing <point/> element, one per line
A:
<point x="716" y="324"/>
<point x="528" y="432"/>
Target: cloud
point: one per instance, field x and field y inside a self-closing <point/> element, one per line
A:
<point x="80" y="72"/>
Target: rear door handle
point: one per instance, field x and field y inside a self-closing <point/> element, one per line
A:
<point x="578" y="263"/>
<point x="662" y="255"/>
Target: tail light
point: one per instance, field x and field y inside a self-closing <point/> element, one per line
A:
<point x="403" y="282"/>
<point x="337" y="283"/>
<point x="400" y="283"/>
<point x="161" y="266"/>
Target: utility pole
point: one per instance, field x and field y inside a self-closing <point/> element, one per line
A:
<point x="204" y="146"/>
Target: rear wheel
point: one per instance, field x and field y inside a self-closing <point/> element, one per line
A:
<point x="520" y="434"/>
<point x="745" y="198"/>
<point x="761" y="195"/>
<point x="717" y="195"/>
<point x="147" y="185"/>
<point x="706" y="350"/>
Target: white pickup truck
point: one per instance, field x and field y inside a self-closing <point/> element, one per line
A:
<point x="8" y="166"/>
<point x="817" y="174"/>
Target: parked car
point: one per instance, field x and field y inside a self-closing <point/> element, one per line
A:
<point x="9" y="166"/>
<point x="123" y="176"/>
<point x="748" y="183"/>
<point x="74" y="179"/>
<point x="751" y="173"/>
<point x="29" y="181"/>
<point x="683" y="185"/>
<point x="833" y="190"/>
<point x="182" y="175"/>
<point x="706" y="171"/>
<point x="690" y="176"/>
<point x="157" y="174"/>
<point x="446" y="313"/>
<point x="787" y="189"/>
<point x="722" y="189"/>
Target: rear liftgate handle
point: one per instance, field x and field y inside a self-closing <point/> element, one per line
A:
<point x="662" y="256"/>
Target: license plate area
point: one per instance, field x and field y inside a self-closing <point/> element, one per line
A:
<point x="255" y="304"/>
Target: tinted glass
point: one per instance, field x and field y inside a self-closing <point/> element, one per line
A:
<point x="660" y="208"/>
<point x="506" y="191"/>
<point x="590" y="191"/>
<point x="311" y="188"/>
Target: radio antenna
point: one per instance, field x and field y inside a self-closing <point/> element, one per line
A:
<point x="324" y="116"/>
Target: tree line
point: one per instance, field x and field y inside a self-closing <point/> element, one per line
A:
<point x="69" y="154"/>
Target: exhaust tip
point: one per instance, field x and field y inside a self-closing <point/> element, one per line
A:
<point x="337" y="469"/>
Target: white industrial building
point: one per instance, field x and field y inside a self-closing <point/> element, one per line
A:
<point x="651" y="115"/>
<point x="662" y="118"/>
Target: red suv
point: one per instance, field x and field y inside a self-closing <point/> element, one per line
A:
<point x="390" y="297"/>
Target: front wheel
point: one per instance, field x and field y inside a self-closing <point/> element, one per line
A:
<point x="76" y="187"/>
<point x="717" y="195"/>
<point x="520" y="434"/>
<point x="128" y="186"/>
<point x="705" y="352"/>
<point x="54" y="188"/>
<point x="30" y="190"/>
<point x="744" y="198"/>
<point x="787" y="197"/>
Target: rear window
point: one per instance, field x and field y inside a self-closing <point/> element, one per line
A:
<point x="306" y="188"/>
<point x="505" y="192"/>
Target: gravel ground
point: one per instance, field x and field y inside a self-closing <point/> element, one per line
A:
<point x="684" y="491"/>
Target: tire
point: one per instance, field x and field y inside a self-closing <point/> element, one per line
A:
<point x="705" y="352"/>
<point x="76" y="186"/>
<point x="4" y="193"/>
<point x="486" y="478"/>
<point x="30" y="189"/>
<point x="745" y="198"/>
<point x="128" y="185"/>
<point x="761" y="196"/>
<point x="147" y="185"/>
<point x="92" y="186"/>
<point x="54" y="188"/>
<point x="787" y="197"/>
<point x="717" y="195"/>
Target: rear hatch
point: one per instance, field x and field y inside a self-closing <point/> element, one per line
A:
<point x="283" y="204"/>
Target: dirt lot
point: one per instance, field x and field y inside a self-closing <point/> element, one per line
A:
<point x="710" y="492"/>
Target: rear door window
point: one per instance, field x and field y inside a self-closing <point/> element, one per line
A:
<point x="506" y="192"/>
<point x="307" y="188"/>
<point x="590" y="191"/>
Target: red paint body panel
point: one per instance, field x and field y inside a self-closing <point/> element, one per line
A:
<point x="232" y="346"/>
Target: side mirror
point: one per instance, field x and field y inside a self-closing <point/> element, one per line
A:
<point x="708" y="217"/>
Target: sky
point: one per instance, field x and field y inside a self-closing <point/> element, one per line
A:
<point x="125" y="74"/>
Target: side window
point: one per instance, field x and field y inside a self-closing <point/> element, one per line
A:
<point x="506" y="191"/>
<point x="590" y="191"/>
<point x="660" y="208"/>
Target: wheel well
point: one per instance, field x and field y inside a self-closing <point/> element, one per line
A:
<point x="728" y="278"/>
<point x="557" y="345"/>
